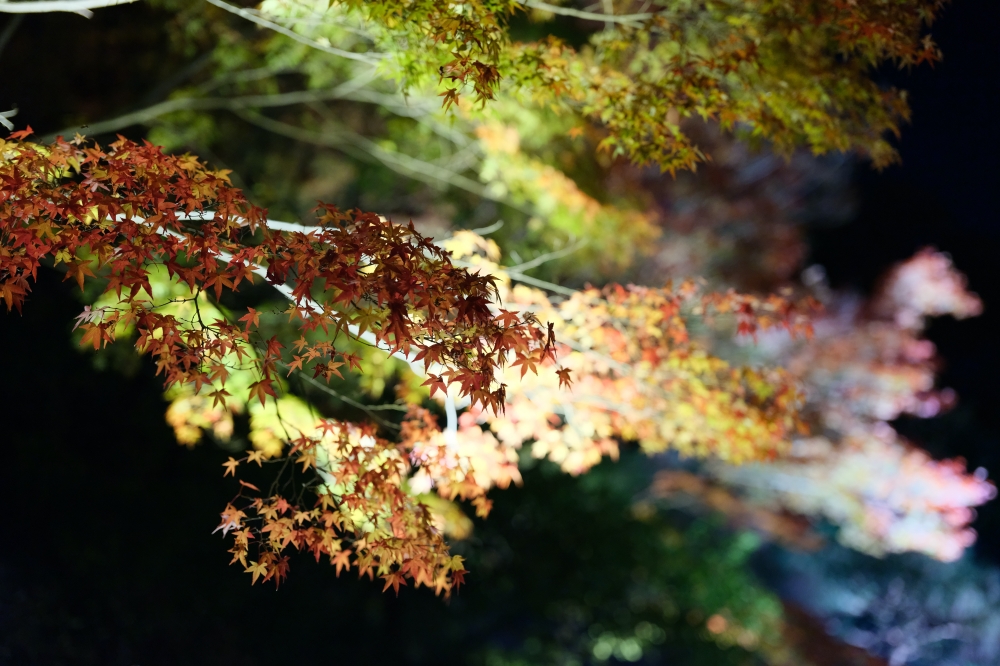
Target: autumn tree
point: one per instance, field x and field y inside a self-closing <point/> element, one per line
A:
<point x="563" y="121"/>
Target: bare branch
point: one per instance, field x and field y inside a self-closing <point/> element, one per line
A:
<point x="143" y="116"/>
<point x="369" y="58"/>
<point x="628" y="19"/>
<point x="9" y="30"/>
<point x="4" y="119"/>
<point x="345" y="141"/>
<point x="81" y="7"/>
<point x="548" y="256"/>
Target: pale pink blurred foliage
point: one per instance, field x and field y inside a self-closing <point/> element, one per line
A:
<point x="867" y="365"/>
<point x="886" y="495"/>
<point x="925" y="286"/>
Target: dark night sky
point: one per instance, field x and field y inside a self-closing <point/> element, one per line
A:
<point x="944" y="194"/>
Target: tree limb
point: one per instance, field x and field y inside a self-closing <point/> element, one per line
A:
<point x="81" y="7"/>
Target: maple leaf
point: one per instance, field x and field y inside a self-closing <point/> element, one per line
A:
<point x="261" y="389"/>
<point x="308" y="460"/>
<point x="507" y="318"/>
<point x="393" y="580"/>
<point x="451" y="96"/>
<point x="255" y="456"/>
<point x="366" y="319"/>
<point x="79" y="270"/>
<point x="436" y="384"/>
<point x="88" y="315"/>
<point x="458" y="578"/>
<point x="341" y="559"/>
<point x="230" y="466"/>
<point x="565" y="381"/>
<point x="279" y="571"/>
<point x="220" y="373"/>
<point x="282" y="505"/>
<point x="526" y="363"/>
<point x="219" y="396"/>
<point x="258" y="569"/>
<point x="251" y="318"/>
<point x="296" y="364"/>
<point x="95" y="335"/>
<point x="270" y="512"/>
<point x="21" y="134"/>
<point x="231" y="519"/>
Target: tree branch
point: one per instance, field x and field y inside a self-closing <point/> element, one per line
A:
<point x="81" y="7"/>
<point x="628" y="19"/>
<point x="344" y="140"/>
<point x="143" y="116"/>
<point x="302" y="39"/>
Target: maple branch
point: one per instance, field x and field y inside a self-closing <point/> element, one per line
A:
<point x="353" y="330"/>
<point x="401" y="163"/>
<point x="367" y="409"/>
<point x="81" y="7"/>
<point x="4" y="115"/>
<point x="628" y="19"/>
<point x="487" y="230"/>
<point x="143" y="116"/>
<point x="548" y="256"/>
<point x="451" y="429"/>
<point x="302" y="39"/>
<point x="518" y="276"/>
<point x="9" y="30"/>
<point x="369" y="338"/>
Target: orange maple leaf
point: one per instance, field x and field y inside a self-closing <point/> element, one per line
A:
<point x="230" y="466"/>
<point x="341" y="560"/>
<point x="258" y="569"/>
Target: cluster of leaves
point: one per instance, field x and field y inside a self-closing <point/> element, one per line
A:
<point x="793" y="73"/>
<point x="608" y="238"/>
<point x="639" y="373"/>
<point x="362" y="500"/>
<point x="870" y="366"/>
<point x="643" y="366"/>
<point x="121" y="212"/>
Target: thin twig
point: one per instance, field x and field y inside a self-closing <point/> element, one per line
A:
<point x="369" y="410"/>
<point x="628" y="19"/>
<point x="144" y="116"/>
<point x="9" y="30"/>
<point x="369" y="58"/>
<point x="81" y="7"/>
<point x="345" y="140"/>
<point x="4" y="119"/>
<point x="548" y="256"/>
<point x="486" y="231"/>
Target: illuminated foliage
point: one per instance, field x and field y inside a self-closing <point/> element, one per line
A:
<point x="477" y="115"/>
<point x="793" y="73"/>
<point x="167" y="238"/>
<point x="869" y="366"/>
<point x="131" y="214"/>
<point x="639" y="374"/>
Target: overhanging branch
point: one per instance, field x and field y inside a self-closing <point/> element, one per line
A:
<point x="81" y="7"/>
